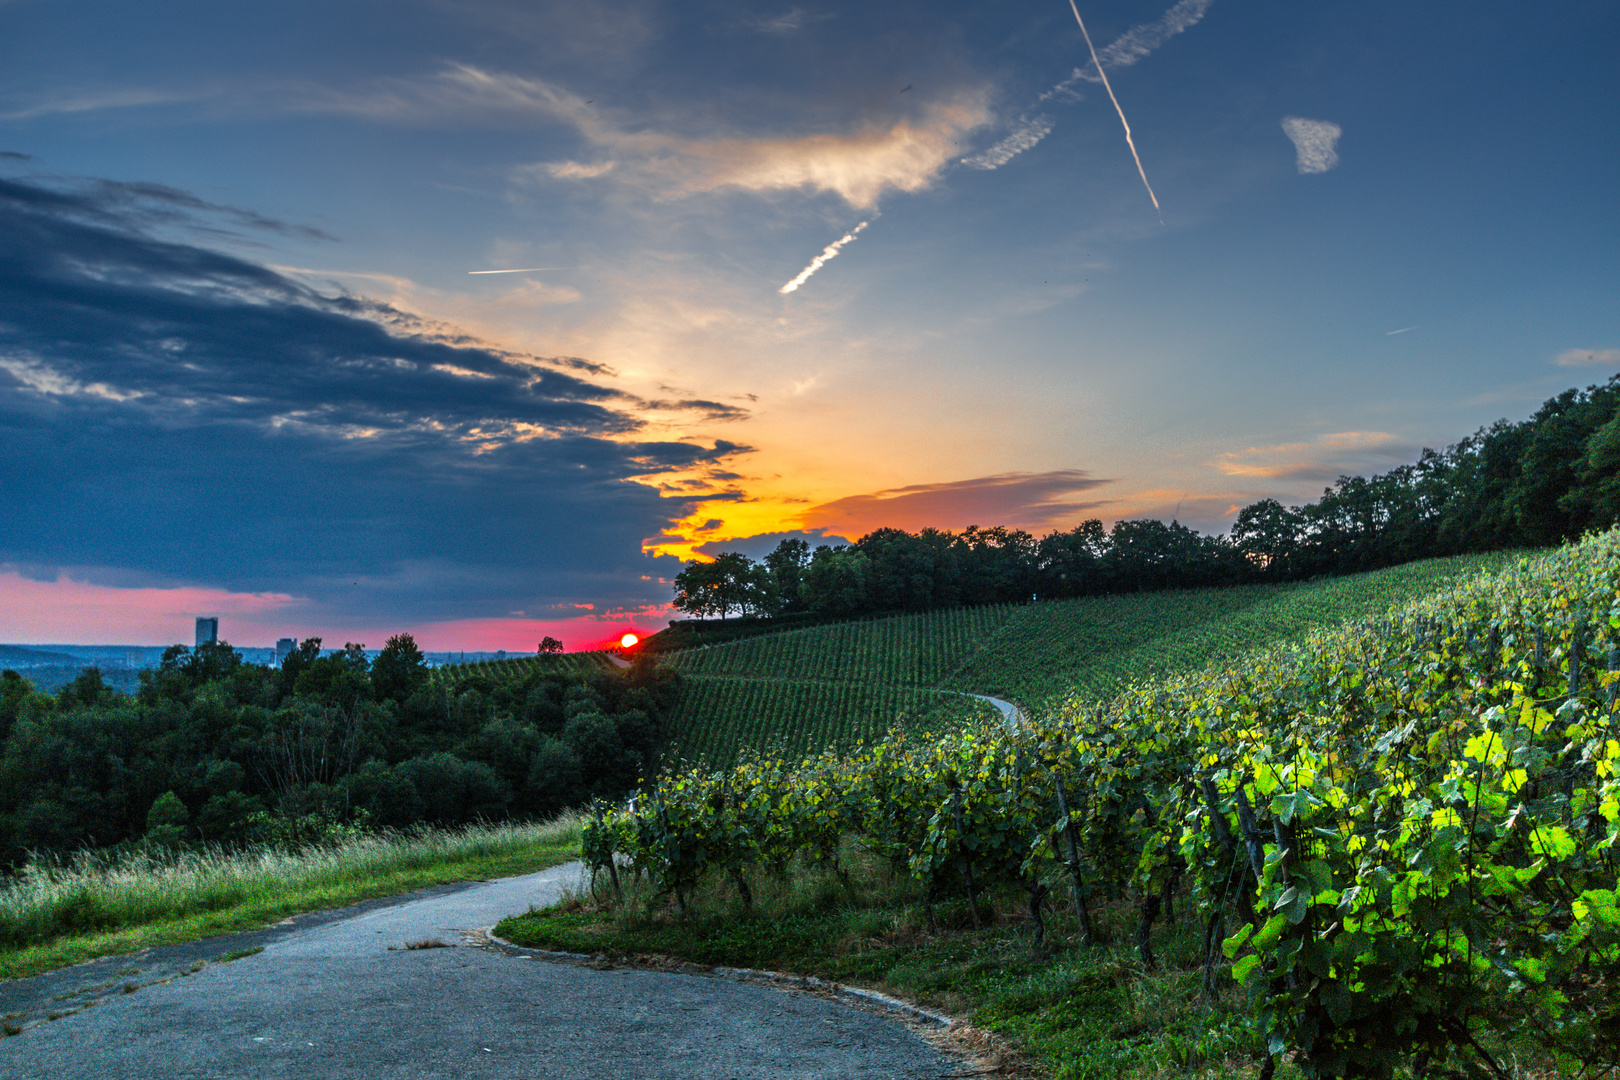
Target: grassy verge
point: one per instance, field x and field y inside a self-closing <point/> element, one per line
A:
<point x="54" y="916"/>
<point x="1078" y="1011"/>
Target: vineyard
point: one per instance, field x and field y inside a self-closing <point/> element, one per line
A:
<point x="1098" y="645"/>
<point x="908" y="650"/>
<point x="1399" y="835"/>
<point x="515" y="668"/>
<point x="798" y="716"/>
<point x="799" y="691"/>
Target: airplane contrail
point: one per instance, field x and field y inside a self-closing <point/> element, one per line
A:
<point x="1128" y="141"/>
<point x="1402" y="330"/>
<point x="821" y="260"/>
<point x="524" y="270"/>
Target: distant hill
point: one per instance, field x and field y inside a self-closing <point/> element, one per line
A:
<point x="16" y="656"/>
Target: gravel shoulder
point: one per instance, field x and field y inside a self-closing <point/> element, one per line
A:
<point x="337" y="994"/>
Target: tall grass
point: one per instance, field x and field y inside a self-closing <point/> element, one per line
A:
<point x="97" y="897"/>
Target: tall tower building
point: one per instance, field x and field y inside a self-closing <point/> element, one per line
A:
<point x="207" y="629"/>
<point x="284" y="648"/>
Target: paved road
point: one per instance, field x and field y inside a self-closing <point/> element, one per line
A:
<point x="328" y="998"/>
<point x="1009" y="711"/>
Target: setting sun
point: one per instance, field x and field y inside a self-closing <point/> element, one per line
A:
<point x="628" y="640"/>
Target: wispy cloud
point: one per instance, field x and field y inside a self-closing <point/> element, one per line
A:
<point x="1323" y="458"/>
<point x="789" y="22"/>
<point x="828" y="252"/>
<point x="1131" y="46"/>
<point x="1141" y="40"/>
<point x="91" y="101"/>
<point x="1588" y="358"/>
<point x="857" y="165"/>
<point x="574" y="170"/>
<point x="1025" y="134"/>
<point x="1314" y="143"/>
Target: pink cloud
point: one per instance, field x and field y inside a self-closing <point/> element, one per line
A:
<point x="67" y="612"/>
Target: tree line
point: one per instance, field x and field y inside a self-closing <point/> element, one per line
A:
<point x="1541" y="481"/>
<point x="214" y="749"/>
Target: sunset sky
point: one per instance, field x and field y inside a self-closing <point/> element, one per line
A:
<point x="253" y="362"/>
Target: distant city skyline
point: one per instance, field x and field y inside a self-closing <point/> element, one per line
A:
<point x="475" y="320"/>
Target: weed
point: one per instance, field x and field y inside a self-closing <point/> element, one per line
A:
<point x="239" y="954"/>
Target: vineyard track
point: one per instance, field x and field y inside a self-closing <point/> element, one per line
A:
<point x="335" y="995"/>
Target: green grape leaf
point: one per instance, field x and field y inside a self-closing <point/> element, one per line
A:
<point x="1232" y="944"/>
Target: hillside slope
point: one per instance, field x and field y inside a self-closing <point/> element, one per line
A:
<point x="802" y="690"/>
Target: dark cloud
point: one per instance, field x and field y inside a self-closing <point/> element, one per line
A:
<point x="710" y="410"/>
<point x="757" y="547"/>
<point x="170" y="413"/>
<point x="1027" y="500"/>
<point x="12" y="155"/>
<point x="142" y="206"/>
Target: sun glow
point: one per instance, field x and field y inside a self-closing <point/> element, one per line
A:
<point x="628" y="640"/>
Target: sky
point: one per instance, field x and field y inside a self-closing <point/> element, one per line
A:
<point x="474" y="319"/>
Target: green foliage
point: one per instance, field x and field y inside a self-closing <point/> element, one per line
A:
<point x="168" y="820"/>
<point x="1416" y="816"/>
<point x="400" y="668"/>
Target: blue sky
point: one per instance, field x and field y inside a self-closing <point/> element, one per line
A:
<point x="236" y="291"/>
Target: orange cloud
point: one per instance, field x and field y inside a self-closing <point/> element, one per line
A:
<point x="1026" y="500"/>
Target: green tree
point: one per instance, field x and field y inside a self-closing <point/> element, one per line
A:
<point x="400" y="669"/>
<point x="168" y="820"/>
<point x="698" y="590"/>
<point x="839" y="581"/>
<point x="1269" y="535"/>
<point x="786" y="566"/>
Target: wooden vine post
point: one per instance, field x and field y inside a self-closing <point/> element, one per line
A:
<point x="612" y="861"/>
<point x="967" y="861"/>
<point x="1082" y="916"/>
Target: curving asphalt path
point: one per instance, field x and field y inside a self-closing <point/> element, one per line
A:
<point x="1009" y="712"/>
<point x="335" y="994"/>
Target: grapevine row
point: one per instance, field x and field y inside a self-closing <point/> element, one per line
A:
<point x="720" y="717"/>
<point x="515" y="668"/>
<point x="914" y="650"/>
